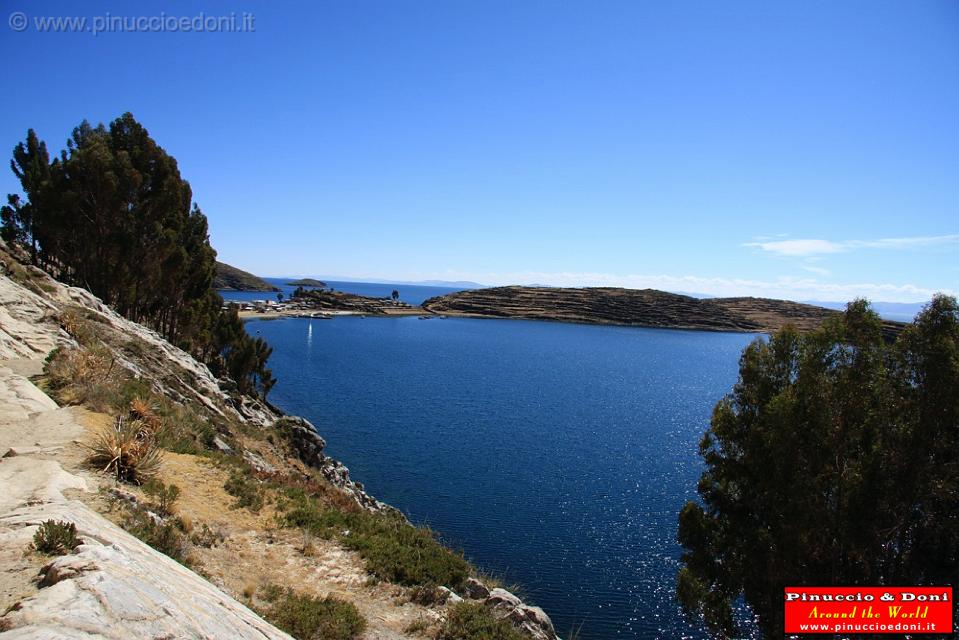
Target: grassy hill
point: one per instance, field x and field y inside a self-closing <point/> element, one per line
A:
<point x="232" y="279"/>
<point x="633" y="307"/>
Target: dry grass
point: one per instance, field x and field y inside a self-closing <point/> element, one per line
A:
<point x="83" y="376"/>
<point x="144" y="411"/>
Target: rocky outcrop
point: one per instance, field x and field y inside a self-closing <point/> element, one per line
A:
<point x="532" y="621"/>
<point x="112" y="585"/>
<point x="308" y="446"/>
<point x="475" y="590"/>
<point x="634" y="307"/>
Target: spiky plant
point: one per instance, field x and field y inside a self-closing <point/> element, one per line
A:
<point x="128" y="451"/>
<point x="145" y="412"/>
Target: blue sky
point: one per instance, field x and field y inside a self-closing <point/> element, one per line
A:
<point x="807" y="150"/>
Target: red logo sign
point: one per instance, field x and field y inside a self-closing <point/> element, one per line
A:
<point x="853" y="610"/>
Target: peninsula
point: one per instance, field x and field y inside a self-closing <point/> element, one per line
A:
<point x="634" y="307"/>
<point x="324" y="303"/>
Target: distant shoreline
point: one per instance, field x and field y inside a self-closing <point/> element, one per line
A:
<point x="325" y="315"/>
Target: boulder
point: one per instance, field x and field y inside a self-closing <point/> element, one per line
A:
<point x="475" y="590"/>
<point x="447" y="596"/>
<point x="256" y="461"/>
<point x="531" y="621"/>
<point x="501" y="599"/>
<point x="222" y="445"/>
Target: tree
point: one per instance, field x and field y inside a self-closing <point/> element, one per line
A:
<point x="279" y="297"/>
<point x="112" y="214"/>
<point x="396" y="295"/>
<point x="832" y="462"/>
<point x="31" y="165"/>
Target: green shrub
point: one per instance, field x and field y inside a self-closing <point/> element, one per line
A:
<point x="417" y="627"/>
<point x="308" y="618"/>
<point x="164" y="497"/>
<point x="271" y="592"/>
<point x="393" y="549"/>
<point x="426" y="595"/>
<point x="246" y="489"/>
<point x="56" y="538"/>
<point x="163" y="536"/>
<point x="471" y="621"/>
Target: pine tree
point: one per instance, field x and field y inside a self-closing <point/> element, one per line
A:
<point x="112" y="214"/>
<point x="832" y="462"/>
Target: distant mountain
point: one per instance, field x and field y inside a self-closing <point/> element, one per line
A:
<point x="901" y="311"/>
<point x="229" y="278"/>
<point x="465" y="284"/>
<point x="449" y="284"/>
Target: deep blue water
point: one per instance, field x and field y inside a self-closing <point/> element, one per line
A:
<point x="410" y="293"/>
<point x="555" y="455"/>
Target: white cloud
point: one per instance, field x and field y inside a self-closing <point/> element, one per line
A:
<point x="817" y="270"/>
<point x="798" y="247"/>
<point x="812" y="247"/>
<point x="905" y="243"/>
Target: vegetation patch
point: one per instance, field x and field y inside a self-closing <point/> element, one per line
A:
<point x="307" y="618"/>
<point x="162" y="535"/>
<point x="393" y="549"/>
<point x="55" y="538"/>
<point x="163" y="497"/>
<point x="87" y="376"/>
<point x="472" y="621"/>
<point x="246" y="489"/>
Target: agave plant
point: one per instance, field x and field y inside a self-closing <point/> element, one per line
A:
<point x="128" y="451"/>
<point x="145" y="412"/>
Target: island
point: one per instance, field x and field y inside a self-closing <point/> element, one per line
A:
<point x="228" y="278"/>
<point x="307" y="282"/>
<point x="635" y="307"/>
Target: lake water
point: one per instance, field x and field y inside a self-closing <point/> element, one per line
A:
<point x="555" y="455"/>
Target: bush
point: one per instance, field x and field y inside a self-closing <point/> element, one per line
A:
<point x="82" y="376"/>
<point x="393" y="549"/>
<point x="308" y="618"/>
<point x="164" y="497"/>
<point x="246" y="490"/>
<point x="161" y="535"/>
<point x="128" y="451"/>
<point x="426" y="595"/>
<point x="470" y="621"/>
<point x="56" y="538"/>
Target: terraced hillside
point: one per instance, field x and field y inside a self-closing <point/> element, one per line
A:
<point x="633" y="307"/>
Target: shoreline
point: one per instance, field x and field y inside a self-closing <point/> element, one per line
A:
<point x="426" y="314"/>
<point x="328" y="315"/>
